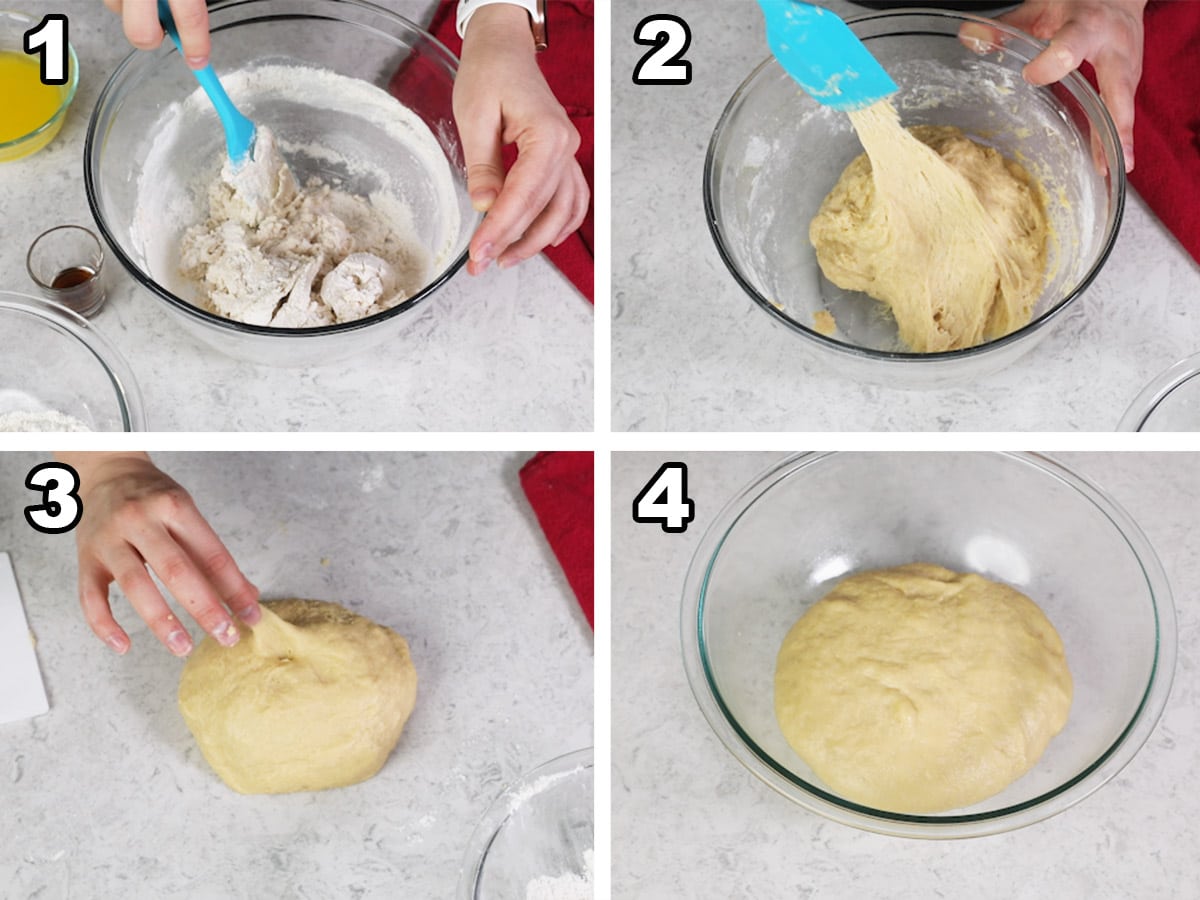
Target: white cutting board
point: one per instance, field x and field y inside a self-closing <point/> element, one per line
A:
<point x="22" y="694"/>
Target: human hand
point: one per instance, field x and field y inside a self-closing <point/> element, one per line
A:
<point x="135" y="516"/>
<point x="140" y="19"/>
<point x="1107" y="33"/>
<point x="500" y="97"/>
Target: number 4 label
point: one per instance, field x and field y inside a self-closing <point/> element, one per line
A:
<point x="670" y="37"/>
<point x="664" y="500"/>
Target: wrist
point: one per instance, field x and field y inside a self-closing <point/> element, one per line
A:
<point x="500" y="23"/>
<point x="93" y="467"/>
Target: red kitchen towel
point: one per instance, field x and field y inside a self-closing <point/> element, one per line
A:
<point x="559" y="488"/>
<point x="569" y="70"/>
<point x="1166" y="127"/>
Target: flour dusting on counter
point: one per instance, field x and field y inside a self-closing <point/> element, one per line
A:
<point x="317" y="228"/>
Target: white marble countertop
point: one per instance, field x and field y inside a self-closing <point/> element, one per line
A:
<point x="107" y="794"/>
<point x="692" y="352"/>
<point x="507" y="351"/>
<point x="690" y="822"/>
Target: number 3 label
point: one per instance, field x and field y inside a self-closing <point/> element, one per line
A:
<point x="61" y="507"/>
<point x="670" y="37"/>
<point x="664" y="500"/>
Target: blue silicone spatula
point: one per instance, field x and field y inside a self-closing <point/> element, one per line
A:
<point x="824" y="56"/>
<point x="239" y="131"/>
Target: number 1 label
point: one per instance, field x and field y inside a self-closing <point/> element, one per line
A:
<point x="49" y="38"/>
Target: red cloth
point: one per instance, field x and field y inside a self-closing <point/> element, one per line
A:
<point x="1166" y="127"/>
<point x="560" y="490"/>
<point x="570" y="72"/>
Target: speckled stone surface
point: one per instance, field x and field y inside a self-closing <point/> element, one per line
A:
<point x="692" y="352"/>
<point x="507" y="351"/>
<point x="107" y="794"/>
<point x="689" y="821"/>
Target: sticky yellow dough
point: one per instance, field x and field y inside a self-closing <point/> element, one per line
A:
<point x="313" y="697"/>
<point x="918" y="689"/>
<point x="946" y="232"/>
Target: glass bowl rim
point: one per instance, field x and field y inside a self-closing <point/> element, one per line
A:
<point x="1158" y="391"/>
<point x="498" y="813"/>
<point x="1116" y="195"/>
<point x="125" y="386"/>
<point x="92" y="142"/>
<point x="68" y="98"/>
<point x="776" y="776"/>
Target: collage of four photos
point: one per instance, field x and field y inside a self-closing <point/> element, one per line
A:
<point x="599" y="448"/>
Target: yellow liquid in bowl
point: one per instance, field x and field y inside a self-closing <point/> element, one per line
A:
<point x="28" y="104"/>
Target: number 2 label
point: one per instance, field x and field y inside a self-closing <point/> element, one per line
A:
<point x="670" y="37"/>
<point x="664" y="500"/>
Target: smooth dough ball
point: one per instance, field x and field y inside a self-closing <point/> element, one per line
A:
<point x="312" y="697"/>
<point x="917" y="689"/>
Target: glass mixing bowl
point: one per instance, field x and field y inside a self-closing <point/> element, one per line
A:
<point x="349" y="37"/>
<point x="540" y="827"/>
<point x="13" y="26"/>
<point x="55" y="361"/>
<point x="1023" y="519"/>
<point x="1171" y="402"/>
<point x="776" y="153"/>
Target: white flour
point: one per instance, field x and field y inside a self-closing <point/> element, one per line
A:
<point x="387" y="172"/>
<point x="567" y="886"/>
<point x="40" y="421"/>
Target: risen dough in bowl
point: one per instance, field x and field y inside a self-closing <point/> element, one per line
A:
<point x="312" y="697"/>
<point x="917" y="689"/>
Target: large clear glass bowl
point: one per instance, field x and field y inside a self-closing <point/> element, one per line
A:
<point x="56" y="361"/>
<point x="349" y="37"/>
<point x="1023" y="519"/>
<point x="1171" y="402"/>
<point x="776" y="153"/>
<point x="540" y="827"/>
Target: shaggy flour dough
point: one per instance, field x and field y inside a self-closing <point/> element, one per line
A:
<point x="947" y="232"/>
<point x="273" y="253"/>
<point x="313" y="697"/>
<point x="918" y="689"/>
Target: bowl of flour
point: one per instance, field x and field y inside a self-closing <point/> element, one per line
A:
<point x="535" y="841"/>
<point x="58" y="373"/>
<point x="351" y="213"/>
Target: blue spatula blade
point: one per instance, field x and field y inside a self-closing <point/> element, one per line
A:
<point x="824" y="56"/>
<point x="239" y="131"/>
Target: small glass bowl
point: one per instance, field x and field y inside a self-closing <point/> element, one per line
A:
<point x="13" y="26"/>
<point x="776" y="153"/>
<point x="541" y="826"/>
<point x="1024" y="519"/>
<point x="55" y="361"/>
<point x="1171" y="402"/>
